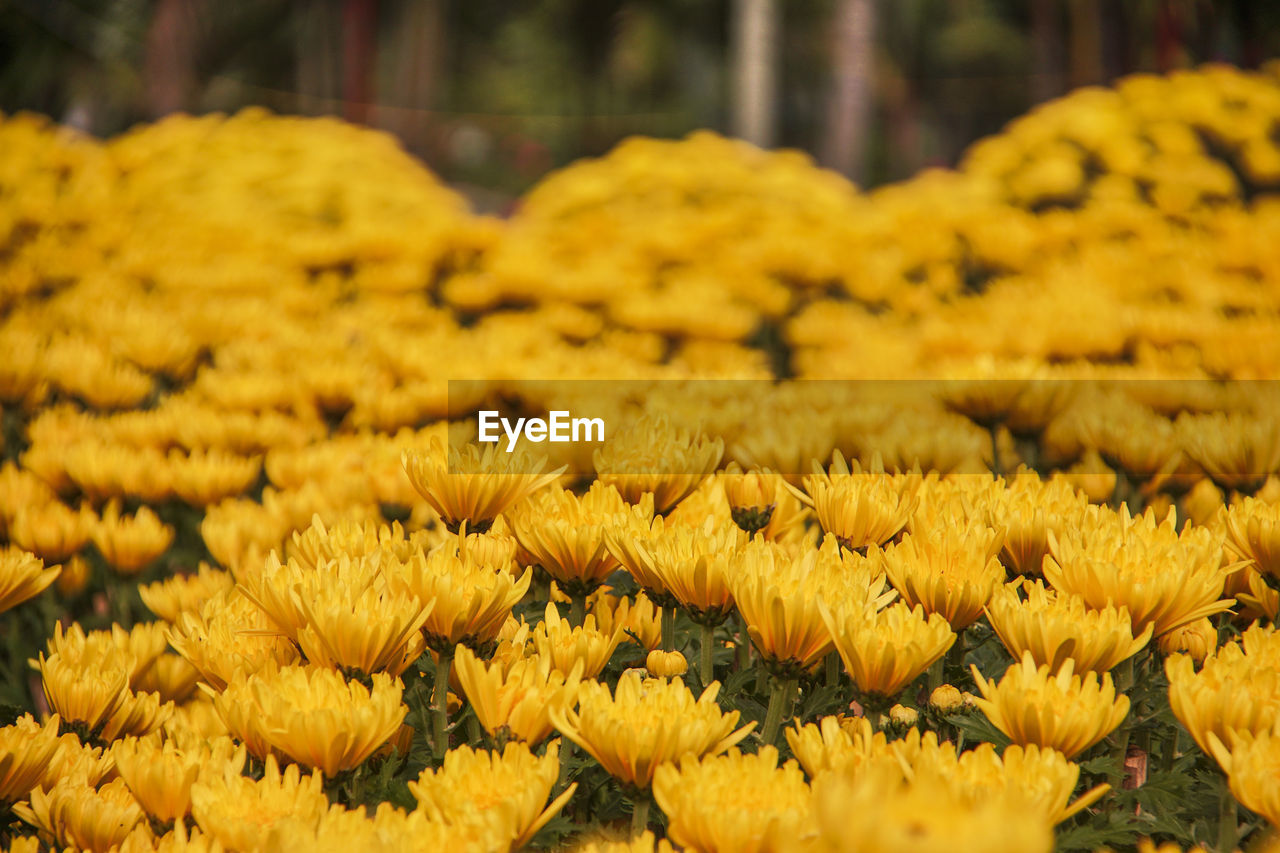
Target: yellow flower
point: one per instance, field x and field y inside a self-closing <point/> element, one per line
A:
<point x="858" y="508"/>
<point x="130" y="544"/>
<point x="472" y="600"/>
<point x="75" y="576"/>
<point x="646" y="723"/>
<point x="22" y="576"/>
<point x="87" y="684"/>
<point x="160" y="775"/>
<point x="1058" y="709"/>
<point x="1237" y="450"/>
<point x="835" y="742"/>
<point x="362" y="630"/>
<point x="518" y="700"/>
<point x="1198" y="639"/>
<point x="26" y="749"/>
<point x="950" y="570"/>
<point x="53" y="531"/>
<point x="903" y="716"/>
<point x="78" y="816"/>
<point x="239" y="811"/>
<point x="229" y="634"/>
<point x="138" y="714"/>
<point x="564" y="645"/>
<point x="635" y="616"/>
<point x="74" y="759"/>
<point x="1164" y="578"/>
<point x="693" y="565"/>
<point x="876" y="810"/>
<point x="1253" y="533"/>
<point x="510" y="788"/>
<point x="1252" y="764"/>
<point x="734" y="802"/>
<point x="666" y="664"/>
<point x="204" y="477"/>
<point x="1237" y="689"/>
<point x="946" y="699"/>
<point x="645" y="842"/>
<point x="884" y="652"/>
<point x="564" y="534"/>
<point x="321" y="720"/>
<point x="473" y="485"/>
<point x="752" y="496"/>
<point x="170" y="676"/>
<point x="1053" y="626"/>
<point x="780" y="598"/>
<point x="650" y="456"/>
<point x="172" y="596"/>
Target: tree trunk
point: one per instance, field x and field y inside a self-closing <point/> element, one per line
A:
<point x="169" y="71"/>
<point x="1046" y="50"/>
<point x="844" y="144"/>
<point x="755" y="56"/>
<point x="1086" y="43"/>
<point x="359" y="23"/>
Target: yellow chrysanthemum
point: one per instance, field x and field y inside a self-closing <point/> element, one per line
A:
<point x="78" y="816"/>
<point x="239" y="811"/>
<point x="950" y="570"/>
<point x="173" y="596"/>
<point x="229" y="634"/>
<point x="650" y="456"/>
<point x="780" y="597"/>
<point x="129" y="544"/>
<point x="645" y="723"/>
<point x="510" y="788"/>
<point x="1236" y="690"/>
<point x="834" y="743"/>
<point x="1053" y="626"/>
<point x="884" y="652"/>
<point x="1057" y="709"/>
<point x="858" y="508"/>
<point x="662" y="664"/>
<point x="160" y="774"/>
<point x="26" y="750"/>
<point x="876" y="810"/>
<point x="1253" y="533"/>
<point x="370" y="630"/>
<point x="516" y="701"/>
<point x="318" y="718"/>
<point x="472" y="600"/>
<point x="734" y="802"/>
<point x="565" y="646"/>
<point x="1252" y="765"/>
<point x="473" y="485"/>
<point x="564" y="534"/>
<point x="1163" y="578"/>
<point x="22" y="576"/>
<point x="53" y="531"/>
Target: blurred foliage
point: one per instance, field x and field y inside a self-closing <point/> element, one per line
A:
<point x="497" y="92"/>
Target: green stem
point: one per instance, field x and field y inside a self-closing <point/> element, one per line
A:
<point x="994" y="430"/>
<point x="833" y="669"/>
<point x="669" y="629"/>
<point x="577" y="610"/>
<point x="743" y="650"/>
<point x="707" y="663"/>
<point x="1123" y="682"/>
<point x="1170" y="749"/>
<point x="440" y="706"/>
<point x="640" y="816"/>
<point x="780" y="698"/>
<point x="1228" y="821"/>
<point x="937" y="674"/>
<point x="873" y="717"/>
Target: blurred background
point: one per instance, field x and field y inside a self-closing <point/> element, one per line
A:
<point x="494" y="93"/>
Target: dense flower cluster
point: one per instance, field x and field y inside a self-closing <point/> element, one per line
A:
<point x="260" y="591"/>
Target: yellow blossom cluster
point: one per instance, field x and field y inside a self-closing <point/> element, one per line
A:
<point x="261" y="589"/>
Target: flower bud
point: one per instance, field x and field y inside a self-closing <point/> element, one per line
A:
<point x="946" y="699"/>
<point x="903" y="716"/>
<point x="666" y="664"/>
